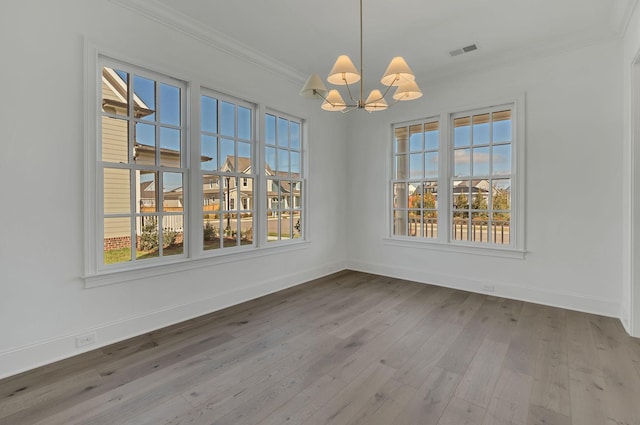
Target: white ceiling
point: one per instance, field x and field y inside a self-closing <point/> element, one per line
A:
<point x="307" y="36"/>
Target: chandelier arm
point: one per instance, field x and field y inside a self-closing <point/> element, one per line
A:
<point x="349" y="90"/>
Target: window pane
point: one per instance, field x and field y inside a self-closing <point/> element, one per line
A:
<point x="172" y="235"/>
<point x="294" y="131"/>
<point x="211" y="231"/>
<point x="244" y="123"/>
<point x="461" y="131"/>
<point x="285" y="225"/>
<point x="244" y="158"/>
<point x="270" y="159"/>
<point x="209" y="153"/>
<point x="283" y="161"/>
<point x="147" y="232"/>
<point x="479" y="200"/>
<point x="481" y="161"/>
<point x="502" y="159"/>
<point x="227" y="119"/>
<point x="400" y="195"/>
<point x="460" y="226"/>
<point x="402" y="166"/>
<point x="501" y="228"/>
<point x="172" y="194"/>
<point x="297" y="225"/>
<point x="415" y="138"/>
<point x="416" y="166"/>
<point x="270" y="129"/>
<point x="297" y="195"/>
<point x="414" y="224"/>
<point x="479" y="227"/>
<point x="212" y="197"/>
<point x="145" y="147"/>
<point x="146" y="182"/>
<point x="400" y="222"/>
<point x="227" y="155"/>
<point x="169" y="147"/>
<point x="169" y="105"/>
<point x="117" y="191"/>
<point x="145" y="91"/>
<point x="400" y="143"/>
<point x="295" y="163"/>
<point x="246" y="194"/>
<point x="502" y="194"/>
<point x="502" y="126"/>
<point x="283" y="132"/>
<point x="115" y="91"/>
<point x="246" y="229"/>
<point x="462" y="159"/>
<point x="460" y="194"/>
<point x="481" y="129"/>
<point x="115" y="140"/>
<point x="209" y="114"/>
<point x="431" y="164"/>
<point x="431" y="136"/>
<point x="117" y="240"/>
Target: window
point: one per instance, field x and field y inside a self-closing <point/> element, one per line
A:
<point x="283" y="168"/>
<point x="144" y="148"/>
<point x="482" y="174"/>
<point x="457" y="184"/>
<point x="142" y="165"/>
<point x="227" y="148"/>
<point x="415" y="185"/>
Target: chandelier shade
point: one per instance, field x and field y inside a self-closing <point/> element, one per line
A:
<point x="408" y="91"/>
<point x="397" y="73"/>
<point x="313" y="87"/>
<point x="345" y="73"/>
<point x="375" y="102"/>
<point x="333" y="102"/>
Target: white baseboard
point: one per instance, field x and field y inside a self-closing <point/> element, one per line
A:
<point x="604" y="307"/>
<point x="48" y="351"/>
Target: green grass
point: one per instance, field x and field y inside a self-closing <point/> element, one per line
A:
<point x="123" y="255"/>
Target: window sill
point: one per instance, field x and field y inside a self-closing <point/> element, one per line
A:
<point x="109" y="277"/>
<point x="455" y="248"/>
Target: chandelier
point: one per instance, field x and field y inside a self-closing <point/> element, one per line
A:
<point x="344" y="73"/>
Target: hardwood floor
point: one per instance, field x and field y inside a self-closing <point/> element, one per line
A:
<point x="350" y="348"/>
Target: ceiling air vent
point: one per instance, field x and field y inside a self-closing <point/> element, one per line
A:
<point x="465" y="49"/>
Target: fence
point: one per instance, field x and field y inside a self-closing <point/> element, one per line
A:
<point x="478" y="231"/>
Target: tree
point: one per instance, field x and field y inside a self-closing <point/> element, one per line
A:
<point x="501" y="202"/>
<point x="461" y="202"/>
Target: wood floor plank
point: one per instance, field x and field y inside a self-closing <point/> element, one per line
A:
<point x="347" y="403"/>
<point x="430" y="400"/>
<point x="510" y="402"/>
<point x="480" y="378"/>
<point x="551" y="376"/>
<point x="462" y="412"/>
<point x="349" y="348"/>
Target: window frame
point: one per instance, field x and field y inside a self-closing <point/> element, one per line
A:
<point x="444" y="241"/>
<point x="193" y="255"/>
<point x="225" y="177"/>
<point x="301" y="180"/>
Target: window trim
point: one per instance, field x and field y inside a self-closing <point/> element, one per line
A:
<point x="194" y="257"/>
<point x="302" y="179"/>
<point x="444" y="242"/>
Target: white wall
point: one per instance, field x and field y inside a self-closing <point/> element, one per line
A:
<point x="43" y="303"/>
<point x="631" y="176"/>
<point x="573" y="182"/>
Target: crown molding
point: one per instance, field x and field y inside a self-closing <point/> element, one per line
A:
<point x="175" y="20"/>
<point x="621" y="13"/>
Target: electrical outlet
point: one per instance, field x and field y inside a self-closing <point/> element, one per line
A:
<point x="488" y="288"/>
<point x="86" y="339"/>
